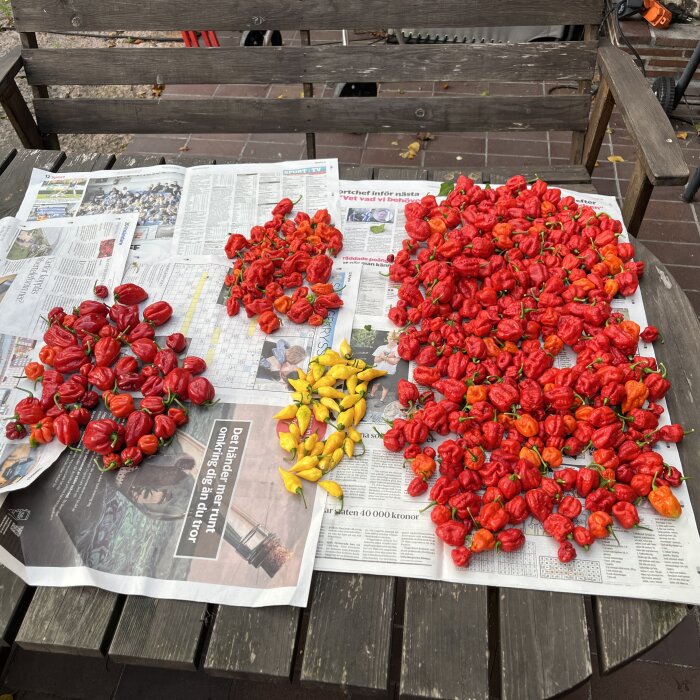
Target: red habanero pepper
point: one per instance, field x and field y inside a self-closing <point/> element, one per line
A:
<point x="460" y="556"/>
<point x="165" y="361"/>
<point x="103" y="436"/>
<point x="66" y="429"/>
<point x="138" y="423"/>
<point x="106" y="351"/>
<point x="483" y="540"/>
<point x="158" y="313"/>
<point x="558" y="526"/>
<point x="626" y="514"/>
<point x="148" y="444"/>
<point x="141" y="330"/>
<point x="664" y="501"/>
<point x="129" y="294"/>
<point x="600" y="524"/>
<point x="672" y="433"/>
<point x="517" y="510"/>
<point x="407" y="392"/>
<point x="394" y="439"/>
<point x="268" y="322"/>
<point x="600" y="499"/>
<point x="493" y="516"/>
<point x="176" y="342"/>
<point x="300" y="311"/>
<point x="569" y="507"/>
<point x="131" y="456"/>
<point x="583" y="537"/>
<point x="566" y="552"/>
<point x="176" y="382"/>
<point x="200" y="391"/>
<point x="587" y="480"/>
<point x="179" y="415"/>
<point x="28" y="411"/>
<point x="539" y="504"/>
<point x="510" y="540"/>
<point x="121" y="405"/>
<point x="417" y="486"/>
<point x="452" y="532"/>
<point x="440" y="514"/>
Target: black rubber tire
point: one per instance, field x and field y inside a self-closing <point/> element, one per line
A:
<point x="257" y="37"/>
<point x="665" y="90"/>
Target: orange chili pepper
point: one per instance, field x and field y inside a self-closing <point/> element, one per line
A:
<point x="315" y="320"/>
<point x="320" y="289"/>
<point x="552" y="456"/>
<point x="553" y="344"/>
<point x="483" y="540"/>
<point x="583" y="413"/>
<point x="423" y="466"/>
<point x="526" y="425"/>
<point x="437" y="224"/>
<point x="47" y="355"/>
<point x="611" y="287"/>
<point x="121" y="405"/>
<point x="474" y="458"/>
<point x="492" y="348"/>
<point x="148" y="444"/>
<point x="635" y="395"/>
<point x="42" y="432"/>
<point x="511" y="347"/>
<point x="477" y="392"/>
<point x="600" y="524"/>
<point x="569" y="423"/>
<point x="282" y="304"/>
<point x="664" y="501"/>
<point x="631" y="328"/>
<point x="34" y="370"/>
<point x="530" y="456"/>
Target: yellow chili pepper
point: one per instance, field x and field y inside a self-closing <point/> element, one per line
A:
<point x="301" y="374"/>
<point x="333" y="442"/>
<point x="360" y="364"/>
<point x="337" y="455"/>
<point x="333" y="489"/>
<point x="303" y="418"/>
<point x="321" y="412"/>
<point x="310" y="474"/>
<point x="300" y="385"/>
<point x="351" y="383"/>
<point x="318" y="449"/>
<point x="360" y="410"/>
<point x="371" y="373"/>
<point x="292" y="483"/>
<point x="345" y="418"/>
<point x="345" y="350"/>
<point x="330" y="393"/>
<point x="294" y="430"/>
<point x="349" y="447"/>
<point x="324" y="464"/>
<point x="330" y="403"/>
<point x="304" y="463"/>
<point x="288" y="442"/>
<point x="354" y="435"/>
<point x="316" y="371"/>
<point x="323" y="381"/>
<point x="350" y="400"/>
<point x="287" y="413"/>
<point x="362" y="388"/>
<point x="342" y="371"/>
<point x="311" y="442"/>
<point x="330" y="358"/>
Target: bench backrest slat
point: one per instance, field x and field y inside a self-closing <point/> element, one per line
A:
<point x="560" y="61"/>
<point x="348" y="114"/>
<point x="108" y="15"/>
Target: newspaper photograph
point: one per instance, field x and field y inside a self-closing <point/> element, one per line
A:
<point x="153" y="193"/>
<point x="205" y="520"/>
<point x="63" y="262"/>
<point x="221" y="199"/>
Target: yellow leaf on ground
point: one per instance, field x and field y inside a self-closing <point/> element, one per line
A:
<point x="616" y="159"/>
<point x="683" y="135"/>
<point x="414" y="146"/>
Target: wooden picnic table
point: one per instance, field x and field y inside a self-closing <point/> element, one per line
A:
<point x="368" y="634"/>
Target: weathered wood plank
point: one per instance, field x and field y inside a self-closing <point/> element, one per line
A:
<point x="637" y="198"/>
<point x="15" y="179"/>
<point x="374" y="114"/>
<point x="87" y="15"/>
<point x="450" y="175"/>
<point x="68" y="620"/>
<point x="298" y="64"/>
<point x="657" y="148"/>
<point x="86" y="162"/>
<point x="252" y="642"/>
<point x="600" y="116"/>
<point x="544" y="643"/>
<point x="139" y="160"/>
<point x="6" y="155"/>
<point x="400" y="174"/>
<point x="12" y="593"/>
<point x="348" y="641"/>
<point x="627" y="628"/>
<point x="163" y="633"/>
<point x="355" y="172"/>
<point x="445" y="641"/>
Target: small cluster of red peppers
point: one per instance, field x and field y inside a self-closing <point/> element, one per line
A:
<point x="283" y="255"/>
<point x="493" y="284"/>
<point x="82" y="356"/>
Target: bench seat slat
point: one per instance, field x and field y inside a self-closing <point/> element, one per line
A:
<point x="89" y="15"/>
<point x="562" y="61"/>
<point x="350" y="114"/>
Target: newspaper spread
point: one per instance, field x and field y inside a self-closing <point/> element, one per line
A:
<point x="381" y="529"/>
<point x="207" y="519"/>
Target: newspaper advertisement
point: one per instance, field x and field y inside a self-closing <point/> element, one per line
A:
<point x="382" y="530"/>
<point x="221" y="199"/>
<point x="58" y="264"/>
<point x="205" y="520"/>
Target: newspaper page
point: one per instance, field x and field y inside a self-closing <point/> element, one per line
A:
<point x="381" y="530"/>
<point x="153" y="193"/>
<point x="205" y="520"/>
<point x="221" y="199"/>
<point x="58" y="264"/>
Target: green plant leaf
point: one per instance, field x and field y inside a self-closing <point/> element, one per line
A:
<point x="377" y="229"/>
<point x="446" y="188"/>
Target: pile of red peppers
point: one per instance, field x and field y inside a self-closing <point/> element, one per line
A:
<point x="494" y="283"/>
<point x="83" y="354"/>
<point x="279" y="256"/>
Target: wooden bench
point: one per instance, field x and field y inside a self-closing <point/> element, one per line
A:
<point x="659" y="161"/>
<point x="359" y="633"/>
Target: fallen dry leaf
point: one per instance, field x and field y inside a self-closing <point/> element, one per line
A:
<point x="410" y="155"/>
<point x="596" y="164"/>
<point x="394" y="143"/>
<point x="424" y="136"/>
<point x="609" y="131"/>
<point x="184" y="148"/>
<point x="683" y="135"/>
<point x="445" y="86"/>
<point x="414" y="146"/>
<point x="157" y="90"/>
<point x="616" y="159"/>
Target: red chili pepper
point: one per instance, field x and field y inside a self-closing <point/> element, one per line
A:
<point x="158" y="313"/>
<point x="28" y="411"/>
<point x="176" y="382"/>
<point x="106" y="352"/>
<point x="138" y="424"/>
<point x="600" y="524"/>
<point x="103" y="436"/>
<point x="131" y="456"/>
<point x="200" y="391"/>
<point x="111" y="461"/>
<point x="558" y="526"/>
<point x="510" y="540"/>
<point x="176" y="342"/>
<point x="66" y="429"/>
<point x="566" y="552"/>
<point x="141" y="330"/>
<point x="460" y="556"/>
<point x="179" y="415"/>
<point x="16" y="431"/>
<point x="129" y="294"/>
<point x="100" y="291"/>
<point x="417" y="486"/>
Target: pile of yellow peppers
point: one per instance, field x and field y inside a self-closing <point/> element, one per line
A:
<point x="333" y="390"/>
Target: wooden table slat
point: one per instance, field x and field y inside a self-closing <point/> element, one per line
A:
<point x="559" y="174"/>
<point x="6" y="155"/>
<point x="445" y="641"/>
<point x="348" y="640"/>
<point x="253" y="642"/>
<point x="15" y="179"/>
<point x="12" y="592"/>
<point x="162" y="633"/>
<point x="544" y="643"/>
<point x="68" y="620"/>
